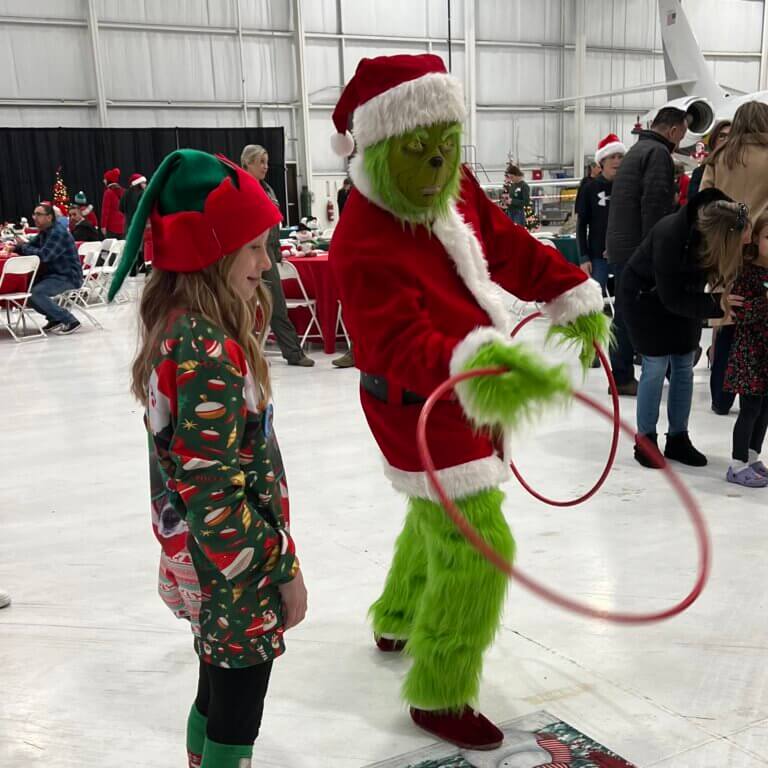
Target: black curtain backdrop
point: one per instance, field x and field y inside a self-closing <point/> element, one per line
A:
<point x="29" y="158"/>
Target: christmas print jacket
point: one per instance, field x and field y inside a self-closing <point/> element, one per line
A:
<point x="221" y="479"/>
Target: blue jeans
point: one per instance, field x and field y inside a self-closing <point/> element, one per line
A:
<point x="41" y="300"/>
<point x="680" y="394"/>
<point x="518" y="216"/>
<point x="721" y="400"/>
<point x="600" y="271"/>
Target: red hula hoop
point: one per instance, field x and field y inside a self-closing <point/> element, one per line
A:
<point x="614" y="438"/>
<point x="473" y="537"/>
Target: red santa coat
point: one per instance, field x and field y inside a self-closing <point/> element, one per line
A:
<point x="417" y="302"/>
<point x="112" y="220"/>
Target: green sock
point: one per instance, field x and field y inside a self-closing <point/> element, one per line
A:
<point x="196" y="725"/>
<point x="226" y="755"/>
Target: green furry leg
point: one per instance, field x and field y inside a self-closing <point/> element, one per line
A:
<point x="393" y="612"/>
<point x="226" y="755"/>
<point x="461" y="605"/>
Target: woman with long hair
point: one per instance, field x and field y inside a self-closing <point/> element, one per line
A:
<point x="255" y="160"/>
<point x="663" y="292"/>
<point x="218" y="491"/>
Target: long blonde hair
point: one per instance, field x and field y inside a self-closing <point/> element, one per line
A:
<point x="722" y="226"/>
<point x="207" y="293"/>
<point x="750" y="126"/>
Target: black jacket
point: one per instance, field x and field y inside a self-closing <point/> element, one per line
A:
<point x="662" y="286"/>
<point x="643" y="193"/>
<point x="696" y="177"/>
<point x="85" y="232"/>
<point x="129" y="202"/>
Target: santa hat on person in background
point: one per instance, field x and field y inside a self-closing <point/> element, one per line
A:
<point x="112" y="176"/>
<point x="391" y="95"/>
<point x="201" y="209"/>
<point x="610" y="145"/>
<point x="136" y="178"/>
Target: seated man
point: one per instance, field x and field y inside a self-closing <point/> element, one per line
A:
<point x="82" y="230"/>
<point x="60" y="265"/>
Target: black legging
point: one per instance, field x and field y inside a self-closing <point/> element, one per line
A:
<point x="233" y="701"/>
<point x="721" y="400"/>
<point x="749" y="430"/>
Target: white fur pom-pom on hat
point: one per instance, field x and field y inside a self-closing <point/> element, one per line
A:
<point x="343" y="144"/>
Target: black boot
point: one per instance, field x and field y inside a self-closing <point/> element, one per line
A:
<point x="655" y="460"/>
<point x="679" y="448"/>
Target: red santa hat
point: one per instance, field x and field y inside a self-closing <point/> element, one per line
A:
<point x="610" y="145"/>
<point x="112" y="176"/>
<point x="391" y="95"/>
<point x="136" y="178"/>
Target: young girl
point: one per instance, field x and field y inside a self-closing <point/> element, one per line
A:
<point x="220" y="504"/>
<point x="747" y="372"/>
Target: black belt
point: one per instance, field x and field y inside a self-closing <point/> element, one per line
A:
<point x="382" y="390"/>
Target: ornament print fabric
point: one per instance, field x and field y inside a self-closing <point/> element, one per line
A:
<point x="219" y="483"/>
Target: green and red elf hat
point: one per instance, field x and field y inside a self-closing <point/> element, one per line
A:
<point x="201" y="208"/>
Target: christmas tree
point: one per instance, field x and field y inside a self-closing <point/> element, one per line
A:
<point x="60" y="193"/>
<point x="532" y="222"/>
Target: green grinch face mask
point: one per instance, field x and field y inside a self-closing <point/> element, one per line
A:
<point x="417" y="174"/>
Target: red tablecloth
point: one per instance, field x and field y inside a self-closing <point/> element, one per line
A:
<point x="12" y="283"/>
<point x="315" y="274"/>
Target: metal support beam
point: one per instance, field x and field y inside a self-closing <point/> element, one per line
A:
<point x="470" y="71"/>
<point x="579" y="64"/>
<point x="93" y="28"/>
<point x="243" y="83"/>
<point x="304" y="166"/>
<point x="764" y="51"/>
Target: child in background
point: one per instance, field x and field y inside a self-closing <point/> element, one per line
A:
<point x="747" y="372"/>
<point x="219" y="498"/>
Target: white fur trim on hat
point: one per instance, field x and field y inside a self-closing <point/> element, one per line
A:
<point x="343" y="144"/>
<point x="583" y="299"/>
<point x="459" y="481"/>
<point x="140" y="180"/>
<point x="433" y="98"/>
<point x="614" y="148"/>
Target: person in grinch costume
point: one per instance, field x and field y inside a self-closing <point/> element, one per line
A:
<point x="419" y="257"/>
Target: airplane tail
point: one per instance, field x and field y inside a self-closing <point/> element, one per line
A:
<point x="683" y="59"/>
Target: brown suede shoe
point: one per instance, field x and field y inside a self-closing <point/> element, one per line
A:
<point x="303" y="361"/>
<point x="347" y="360"/>
<point x="467" y="729"/>
<point x="389" y="644"/>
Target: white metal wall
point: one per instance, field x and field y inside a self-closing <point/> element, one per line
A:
<point x="177" y="62"/>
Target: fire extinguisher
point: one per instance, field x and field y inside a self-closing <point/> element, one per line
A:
<point x="330" y="211"/>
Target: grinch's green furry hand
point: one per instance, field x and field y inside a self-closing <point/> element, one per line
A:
<point x="506" y="399"/>
<point x="584" y="332"/>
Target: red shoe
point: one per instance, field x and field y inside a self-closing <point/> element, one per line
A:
<point x="468" y="730"/>
<point x="389" y="644"/>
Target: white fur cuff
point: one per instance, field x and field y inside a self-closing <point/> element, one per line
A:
<point x="471" y="343"/>
<point x="583" y="299"/>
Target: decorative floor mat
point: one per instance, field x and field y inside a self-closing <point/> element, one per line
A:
<point x="539" y="740"/>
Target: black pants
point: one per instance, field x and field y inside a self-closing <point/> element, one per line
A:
<point x="750" y="427"/>
<point x="622" y="352"/>
<point x="233" y="701"/>
<point x="721" y="401"/>
<point x="282" y="327"/>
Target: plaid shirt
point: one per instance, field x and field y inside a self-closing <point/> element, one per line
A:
<point x="56" y="249"/>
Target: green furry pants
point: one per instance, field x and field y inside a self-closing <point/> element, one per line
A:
<point x="445" y="598"/>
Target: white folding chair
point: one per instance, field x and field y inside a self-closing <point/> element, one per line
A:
<point x="90" y="293"/>
<point x="340" y="323"/>
<point x="108" y="271"/>
<point x="16" y="302"/>
<point x="287" y="271"/>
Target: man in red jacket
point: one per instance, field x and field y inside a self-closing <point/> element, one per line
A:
<point x="112" y="220"/>
<point x="419" y="257"/>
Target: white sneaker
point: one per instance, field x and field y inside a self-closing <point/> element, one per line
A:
<point x="5" y="599"/>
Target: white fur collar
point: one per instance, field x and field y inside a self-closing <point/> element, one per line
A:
<point x="461" y="245"/>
